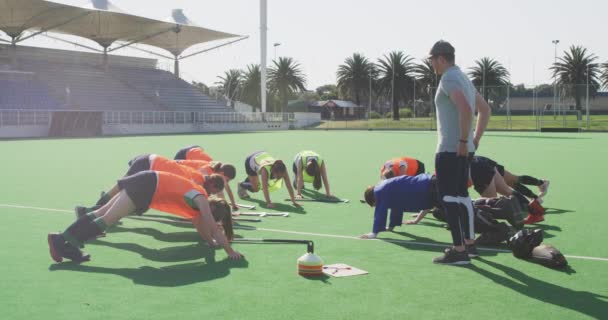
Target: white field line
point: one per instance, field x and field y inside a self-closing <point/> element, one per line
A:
<point x="324" y="235"/>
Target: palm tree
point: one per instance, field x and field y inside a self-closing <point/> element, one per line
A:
<point x="488" y="73"/>
<point x="572" y="70"/>
<point x="285" y="78"/>
<point x="426" y="79"/>
<point x="354" y="77"/>
<point x="251" y="84"/>
<point x="604" y="76"/>
<point x="230" y="84"/>
<point x="396" y="78"/>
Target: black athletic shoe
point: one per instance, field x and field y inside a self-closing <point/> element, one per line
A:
<point x="74" y="254"/>
<point x="56" y="244"/>
<point x="453" y="257"/>
<point x="472" y="251"/>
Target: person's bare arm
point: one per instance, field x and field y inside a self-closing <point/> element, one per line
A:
<point x="205" y="224"/>
<point x="201" y="221"/>
<point x="230" y="195"/>
<point x="287" y="181"/>
<point x="483" y="117"/>
<point x="464" y="115"/>
<point x="419" y="217"/>
<point x="264" y="178"/>
<point x="325" y="180"/>
<point x="299" y="179"/>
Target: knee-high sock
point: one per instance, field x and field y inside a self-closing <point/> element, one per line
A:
<point x="525" y="191"/>
<point x="84" y="229"/>
<point x="529" y="180"/>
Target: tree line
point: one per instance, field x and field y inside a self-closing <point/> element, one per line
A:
<point x="397" y="80"/>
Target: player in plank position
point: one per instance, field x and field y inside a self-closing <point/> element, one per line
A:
<point x="488" y="178"/>
<point x="213" y="183"/>
<point x="400" y="194"/>
<point x="227" y="170"/>
<point x="158" y="190"/>
<point x="308" y="166"/>
<point x="403" y="166"/>
<point x="192" y="153"/>
<point x="272" y="172"/>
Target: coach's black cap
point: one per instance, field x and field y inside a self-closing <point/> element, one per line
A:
<point x="441" y="47"/>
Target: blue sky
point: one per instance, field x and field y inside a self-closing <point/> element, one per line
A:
<point x="321" y="34"/>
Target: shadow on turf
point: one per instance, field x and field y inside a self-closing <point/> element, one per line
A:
<point x="557" y="211"/>
<point x="584" y="302"/>
<point x="172" y="254"/>
<point x="428" y="244"/>
<point x="280" y="207"/>
<point x="159" y="235"/>
<point x="169" y="276"/>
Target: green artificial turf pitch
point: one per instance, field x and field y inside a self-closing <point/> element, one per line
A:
<point x="147" y="269"/>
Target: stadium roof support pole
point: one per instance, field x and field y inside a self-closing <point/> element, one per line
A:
<point x="212" y="48"/>
<point x="72" y="42"/>
<point x="263" y="31"/>
<point x="148" y="36"/>
<point x="176" y="67"/>
<point x="19" y="39"/>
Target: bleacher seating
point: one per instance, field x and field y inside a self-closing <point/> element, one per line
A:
<point x="72" y="80"/>
<point x="26" y="94"/>
<point x="174" y="94"/>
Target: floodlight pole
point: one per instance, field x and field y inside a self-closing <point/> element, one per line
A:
<point x="555" y="42"/>
<point x="263" y="31"/>
<point x="587" y="102"/>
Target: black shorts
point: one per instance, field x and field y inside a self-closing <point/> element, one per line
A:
<point x="482" y="173"/>
<point x="248" y="169"/>
<point x="138" y="164"/>
<point x="140" y="187"/>
<point x="421" y="169"/>
<point x="433" y="194"/>
<point x="181" y="154"/>
<point x="499" y="167"/>
<point x="452" y="174"/>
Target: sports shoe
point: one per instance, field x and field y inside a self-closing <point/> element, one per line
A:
<point x="60" y="249"/>
<point x="472" y="250"/>
<point x="74" y="254"/>
<point x="532" y="219"/>
<point x="56" y="244"/>
<point x="544" y="188"/>
<point x="242" y="192"/>
<point x="453" y="257"/>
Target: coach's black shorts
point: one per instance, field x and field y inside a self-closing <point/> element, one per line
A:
<point x="482" y="172"/>
<point x="181" y="154"/>
<point x="138" y="164"/>
<point x="434" y="193"/>
<point x="452" y="174"/>
<point x="141" y="188"/>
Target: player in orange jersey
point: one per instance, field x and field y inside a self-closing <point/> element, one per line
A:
<point x="192" y="153"/>
<point x="403" y="166"/>
<point x="158" y="190"/>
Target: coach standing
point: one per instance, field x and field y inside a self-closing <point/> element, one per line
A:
<point x="455" y="101"/>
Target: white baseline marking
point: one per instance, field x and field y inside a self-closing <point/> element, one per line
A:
<point x="325" y="235"/>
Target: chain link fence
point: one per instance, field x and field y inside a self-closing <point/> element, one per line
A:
<point x="547" y="107"/>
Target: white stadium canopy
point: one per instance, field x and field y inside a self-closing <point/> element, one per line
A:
<point x="106" y="24"/>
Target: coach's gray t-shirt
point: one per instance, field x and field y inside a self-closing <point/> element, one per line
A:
<point x="448" y="123"/>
